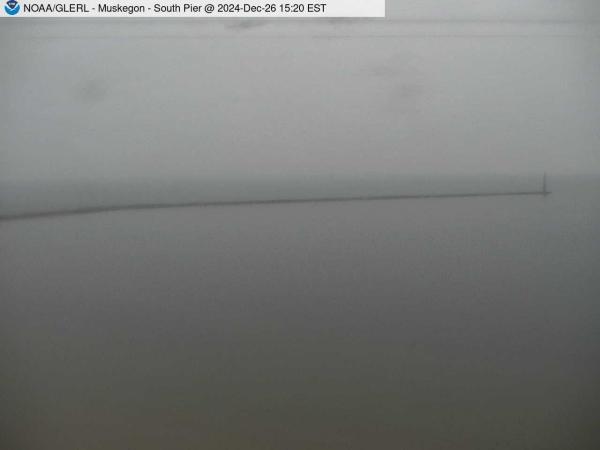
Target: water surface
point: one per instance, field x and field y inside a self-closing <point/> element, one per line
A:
<point x="418" y="324"/>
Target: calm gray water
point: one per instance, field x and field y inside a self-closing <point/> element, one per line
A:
<point x="414" y="324"/>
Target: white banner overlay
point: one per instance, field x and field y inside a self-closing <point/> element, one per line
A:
<point x="194" y="8"/>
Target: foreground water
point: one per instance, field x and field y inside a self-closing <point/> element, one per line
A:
<point x="415" y="324"/>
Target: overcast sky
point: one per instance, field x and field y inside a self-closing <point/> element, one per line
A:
<point x="101" y="99"/>
<point x="494" y="9"/>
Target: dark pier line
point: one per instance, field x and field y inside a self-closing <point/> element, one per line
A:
<point x="149" y="206"/>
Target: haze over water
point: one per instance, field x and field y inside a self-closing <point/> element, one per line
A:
<point x="446" y="324"/>
<point x="426" y="324"/>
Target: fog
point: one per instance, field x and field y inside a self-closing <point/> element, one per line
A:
<point x="439" y="87"/>
<point x="462" y="323"/>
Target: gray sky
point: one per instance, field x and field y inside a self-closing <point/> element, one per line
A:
<point x="493" y="9"/>
<point x="515" y="89"/>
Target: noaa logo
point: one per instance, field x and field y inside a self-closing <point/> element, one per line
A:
<point x="12" y="7"/>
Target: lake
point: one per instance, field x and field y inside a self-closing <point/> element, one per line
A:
<point x="468" y="323"/>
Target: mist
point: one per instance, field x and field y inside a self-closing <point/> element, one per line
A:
<point x="435" y="88"/>
<point x="303" y="234"/>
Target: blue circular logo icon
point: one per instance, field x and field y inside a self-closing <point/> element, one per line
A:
<point x="12" y="7"/>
